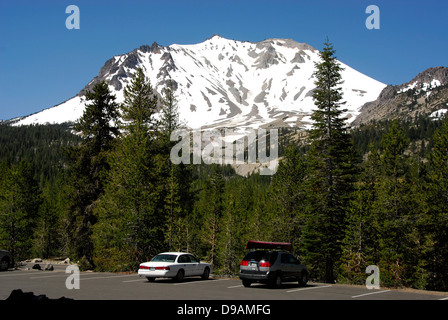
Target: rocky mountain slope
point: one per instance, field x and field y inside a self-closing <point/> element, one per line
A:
<point x="225" y="83"/>
<point x="425" y="95"/>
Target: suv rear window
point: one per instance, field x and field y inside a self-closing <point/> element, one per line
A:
<point x="261" y="255"/>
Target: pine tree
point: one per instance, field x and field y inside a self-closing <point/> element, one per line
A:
<point x="288" y="196"/>
<point x="360" y="243"/>
<point x="393" y="207"/>
<point x="129" y="228"/>
<point x="210" y="210"/>
<point x="331" y="169"/>
<point x="437" y="223"/>
<point x="169" y="114"/>
<point x="139" y="106"/>
<point x="178" y="177"/>
<point x="88" y="167"/>
<point x="48" y="235"/>
<point x="20" y="199"/>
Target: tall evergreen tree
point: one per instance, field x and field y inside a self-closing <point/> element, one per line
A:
<point x="88" y="166"/>
<point x="129" y="229"/>
<point x="20" y="199"/>
<point x="288" y="196"/>
<point x="49" y="234"/>
<point x="360" y="243"/>
<point x="178" y="177"/>
<point x="437" y="222"/>
<point x="210" y="210"/>
<point x="331" y="169"/>
<point x="170" y="113"/>
<point x="392" y="206"/>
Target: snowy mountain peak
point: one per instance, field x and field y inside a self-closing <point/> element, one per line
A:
<point x="225" y="83"/>
<point x="216" y="37"/>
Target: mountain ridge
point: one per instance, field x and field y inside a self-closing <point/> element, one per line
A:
<point x="425" y="95"/>
<point x="223" y="82"/>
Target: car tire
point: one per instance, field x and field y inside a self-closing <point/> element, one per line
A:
<point x="150" y="279"/>
<point x="246" y="283"/>
<point x="206" y="274"/>
<point x="303" y="279"/>
<point x="4" y="264"/>
<point x="276" y="282"/>
<point x="179" y="276"/>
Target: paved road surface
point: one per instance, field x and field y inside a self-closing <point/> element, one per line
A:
<point x="113" y="286"/>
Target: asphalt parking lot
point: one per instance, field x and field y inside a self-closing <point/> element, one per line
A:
<point x="129" y="286"/>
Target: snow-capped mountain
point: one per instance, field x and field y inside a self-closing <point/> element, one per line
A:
<point x="225" y="83"/>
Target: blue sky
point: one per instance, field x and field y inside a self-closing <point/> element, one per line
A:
<point x="42" y="63"/>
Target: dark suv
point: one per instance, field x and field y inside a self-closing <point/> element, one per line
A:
<point x="271" y="267"/>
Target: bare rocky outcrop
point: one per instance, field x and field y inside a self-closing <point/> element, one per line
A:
<point x="423" y="95"/>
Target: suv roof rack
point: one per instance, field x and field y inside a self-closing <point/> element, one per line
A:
<point x="252" y="244"/>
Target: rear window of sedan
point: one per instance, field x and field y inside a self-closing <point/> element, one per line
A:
<point x="164" y="258"/>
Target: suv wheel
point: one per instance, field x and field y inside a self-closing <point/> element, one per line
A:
<point x="277" y="281"/>
<point x="303" y="279"/>
<point x="206" y="274"/>
<point x="247" y="283"/>
<point x="4" y="264"/>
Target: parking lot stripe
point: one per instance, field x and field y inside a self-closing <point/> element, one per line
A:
<point x="309" y="288"/>
<point x="134" y="280"/>
<point x="63" y="274"/>
<point x="52" y="276"/>
<point x="108" y="277"/>
<point x="189" y="282"/>
<point x="369" y="293"/>
<point x="235" y="286"/>
<point x="21" y="273"/>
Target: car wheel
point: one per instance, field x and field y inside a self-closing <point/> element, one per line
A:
<point x="303" y="279"/>
<point x="4" y="264"/>
<point x="206" y="274"/>
<point x="277" y="281"/>
<point x="179" y="276"/>
<point x="150" y="279"/>
<point x="247" y="283"/>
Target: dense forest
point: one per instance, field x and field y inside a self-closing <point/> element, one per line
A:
<point x="104" y="192"/>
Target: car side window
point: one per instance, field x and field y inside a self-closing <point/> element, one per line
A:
<point x="288" y="258"/>
<point x="292" y="259"/>
<point x="184" y="258"/>
<point x="193" y="259"/>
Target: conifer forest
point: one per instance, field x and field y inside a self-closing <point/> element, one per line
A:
<point x="104" y="193"/>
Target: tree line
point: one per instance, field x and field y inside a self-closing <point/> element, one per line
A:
<point x="344" y="199"/>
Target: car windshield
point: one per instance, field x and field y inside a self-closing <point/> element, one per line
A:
<point x="164" y="258"/>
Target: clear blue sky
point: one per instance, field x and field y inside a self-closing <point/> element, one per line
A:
<point x="42" y="63"/>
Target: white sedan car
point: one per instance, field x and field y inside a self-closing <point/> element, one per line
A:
<point x="176" y="265"/>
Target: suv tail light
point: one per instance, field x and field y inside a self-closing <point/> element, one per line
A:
<point x="265" y="264"/>
<point x="244" y="263"/>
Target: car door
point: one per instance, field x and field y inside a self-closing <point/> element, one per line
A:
<point x="184" y="263"/>
<point x="285" y="265"/>
<point x="289" y="265"/>
<point x="295" y="267"/>
<point x="196" y="267"/>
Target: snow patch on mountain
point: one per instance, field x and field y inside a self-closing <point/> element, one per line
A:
<point x="226" y="83"/>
